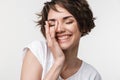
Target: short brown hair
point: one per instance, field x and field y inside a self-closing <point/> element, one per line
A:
<point x="78" y="8"/>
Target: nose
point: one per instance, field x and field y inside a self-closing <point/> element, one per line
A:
<point x="59" y="27"/>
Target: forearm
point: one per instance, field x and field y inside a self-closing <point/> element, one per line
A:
<point x="54" y="71"/>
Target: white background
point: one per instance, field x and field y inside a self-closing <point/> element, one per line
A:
<point x="101" y="48"/>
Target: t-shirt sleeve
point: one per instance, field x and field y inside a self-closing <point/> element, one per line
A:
<point x="37" y="48"/>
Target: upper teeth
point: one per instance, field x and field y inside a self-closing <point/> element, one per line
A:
<point x="62" y="37"/>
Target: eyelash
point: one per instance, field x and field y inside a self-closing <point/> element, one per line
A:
<point x="51" y="25"/>
<point x="70" y="22"/>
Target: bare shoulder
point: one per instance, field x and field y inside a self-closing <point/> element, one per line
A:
<point x="31" y="68"/>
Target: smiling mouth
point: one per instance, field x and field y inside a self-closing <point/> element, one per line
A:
<point x="63" y="38"/>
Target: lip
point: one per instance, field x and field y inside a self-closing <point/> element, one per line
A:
<point x="62" y="38"/>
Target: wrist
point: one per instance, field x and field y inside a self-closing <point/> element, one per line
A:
<point x="59" y="61"/>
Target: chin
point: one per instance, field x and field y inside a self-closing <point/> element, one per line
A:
<point x="65" y="46"/>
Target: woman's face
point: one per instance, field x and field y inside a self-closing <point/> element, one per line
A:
<point x="67" y="32"/>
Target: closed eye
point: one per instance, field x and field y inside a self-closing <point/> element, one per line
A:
<point x="70" y="22"/>
<point x="51" y="25"/>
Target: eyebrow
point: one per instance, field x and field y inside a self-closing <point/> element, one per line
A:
<point x="64" y="18"/>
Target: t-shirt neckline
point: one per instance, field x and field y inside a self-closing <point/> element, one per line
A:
<point x="78" y="72"/>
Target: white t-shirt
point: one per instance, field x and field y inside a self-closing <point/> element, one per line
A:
<point x="44" y="56"/>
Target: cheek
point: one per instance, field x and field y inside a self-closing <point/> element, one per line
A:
<point x="74" y="28"/>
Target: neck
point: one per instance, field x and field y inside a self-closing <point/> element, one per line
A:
<point x="72" y="63"/>
<point x="70" y="56"/>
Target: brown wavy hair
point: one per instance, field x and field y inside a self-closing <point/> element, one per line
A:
<point x="78" y="8"/>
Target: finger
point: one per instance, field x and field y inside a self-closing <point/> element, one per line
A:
<point x="56" y="25"/>
<point x="47" y="31"/>
<point x="52" y="32"/>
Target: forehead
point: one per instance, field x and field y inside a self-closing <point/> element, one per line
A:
<point x="62" y="12"/>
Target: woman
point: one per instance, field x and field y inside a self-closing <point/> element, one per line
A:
<point x="63" y="23"/>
